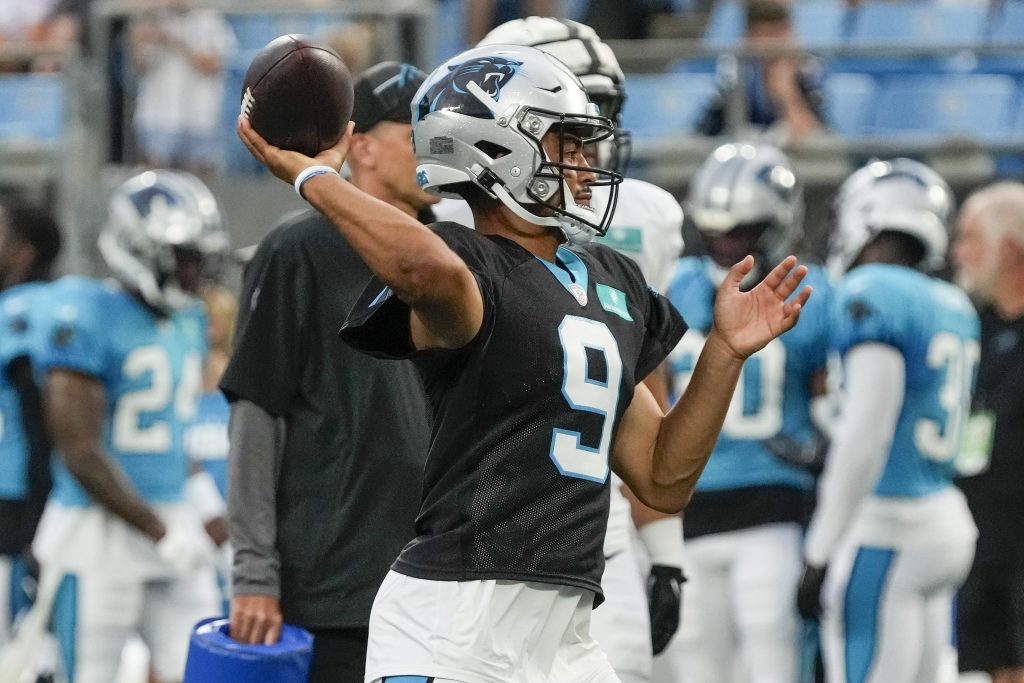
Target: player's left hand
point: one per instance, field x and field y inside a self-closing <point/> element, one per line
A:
<point x="808" y="592"/>
<point x="664" y="602"/>
<point x="747" y="321"/>
<point x="286" y="164"/>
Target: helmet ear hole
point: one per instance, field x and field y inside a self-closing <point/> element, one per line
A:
<point x="491" y="149"/>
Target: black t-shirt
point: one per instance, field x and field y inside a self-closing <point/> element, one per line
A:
<point x="996" y="496"/>
<point x="516" y="483"/>
<point x="356" y="427"/>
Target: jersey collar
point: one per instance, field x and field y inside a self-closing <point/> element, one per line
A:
<point x="571" y="273"/>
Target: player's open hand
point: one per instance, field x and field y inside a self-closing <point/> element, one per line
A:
<point x="747" y="321"/>
<point x="286" y="164"/>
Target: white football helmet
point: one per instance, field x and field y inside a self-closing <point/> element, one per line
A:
<point x="480" y="118"/>
<point x="580" y="48"/>
<point x="901" y="195"/>
<point x="749" y="192"/>
<point x="155" y="221"/>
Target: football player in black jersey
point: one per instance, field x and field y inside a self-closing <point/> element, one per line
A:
<point x="532" y="352"/>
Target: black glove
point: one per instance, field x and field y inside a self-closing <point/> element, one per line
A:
<point x="809" y="456"/>
<point x="808" y="593"/>
<point x="664" y="601"/>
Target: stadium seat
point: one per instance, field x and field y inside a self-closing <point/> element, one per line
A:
<point x="725" y="25"/>
<point x="253" y="31"/>
<point x="31" y="107"/>
<point x="819" y="22"/>
<point x="666" y="104"/>
<point x="919" y="23"/>
<point x="1008" y="23"/>
<point x="976" y="105"/>
<point x="849" y="100"/>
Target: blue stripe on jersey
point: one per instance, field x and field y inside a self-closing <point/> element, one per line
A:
<point x="407" y="679"/>
<point x="861" y="609"/>
<point x="65" y="622"/>
<point x="569" y="270"/>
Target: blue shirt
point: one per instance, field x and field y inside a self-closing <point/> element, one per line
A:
<point x="935" y="328"/>
<point x="151" y="371"/>
<point x="17" y="338"/>
<point x="773" y="393"/>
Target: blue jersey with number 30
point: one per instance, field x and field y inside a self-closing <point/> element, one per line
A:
<point x="934" y="326"/>
<point x="151" y="371"/>
<point x="17" y="338"/>
<point x="773" y="393"/>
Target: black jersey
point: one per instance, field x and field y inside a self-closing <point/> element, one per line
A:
<point x="516" y="482"/>
<point x="994" y="495"/>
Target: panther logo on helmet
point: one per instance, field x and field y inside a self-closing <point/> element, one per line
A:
<point x="452" y="92"/>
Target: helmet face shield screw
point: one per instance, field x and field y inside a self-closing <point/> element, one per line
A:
<point x="533" y="125"/>
<point x="541" y="189"/>
<point x="514" y="171"/>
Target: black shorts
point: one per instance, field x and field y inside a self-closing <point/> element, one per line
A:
<point x="339" y="655"/>
<point x="990" y="619"/>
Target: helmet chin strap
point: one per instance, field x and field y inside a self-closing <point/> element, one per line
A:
<point x="573" y="231"/>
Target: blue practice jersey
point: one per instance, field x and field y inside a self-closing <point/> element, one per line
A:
<point x="151" y="371"/>
<point x="773" y="393"/>
<point x="206" y="439"/>
<point x="17" y="338"/>
<point x="934" y="326"/>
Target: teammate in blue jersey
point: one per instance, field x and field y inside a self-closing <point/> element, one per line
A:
<point x="532" y="351"/>
<point x="744" y="525"/>
<point x="123" y="362"/>
<point x="30" y="241"/>
<point x="895" y="535"/>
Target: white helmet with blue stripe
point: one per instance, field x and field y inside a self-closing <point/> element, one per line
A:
<point x="900" y="195"/>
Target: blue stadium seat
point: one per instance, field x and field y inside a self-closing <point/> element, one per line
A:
<point x="977" y="105"/>
<point x="32" y="107"/>
<point x="725" y="25"/>
<point x="1008" y="23"/>
<point x="253" y="31"/>
<point x="665" y="104"/>
<point x="849" y="101"/>
<point x="919" y="23"/>
<point x="819" y="22"/>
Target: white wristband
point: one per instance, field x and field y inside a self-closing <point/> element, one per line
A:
<point x="311" y="172"/>
<point x="664" y="541"/>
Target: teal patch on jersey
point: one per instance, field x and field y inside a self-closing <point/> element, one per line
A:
<point x="613" y="301"/>
<point x="624" y="238"/>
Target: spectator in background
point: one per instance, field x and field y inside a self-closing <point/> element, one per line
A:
<point x="989" y="259"/>
<point x="179" y="51"/>
<point x="483" y="15"/>
<point x="781" y="93"/>
<point x="306" y="471"/>
<point x="624" y="19"/>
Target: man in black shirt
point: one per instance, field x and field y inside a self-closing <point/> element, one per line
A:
<point x="989" y="256"/>
<point x="327" y="445"/>
<point x="532" y="349"/>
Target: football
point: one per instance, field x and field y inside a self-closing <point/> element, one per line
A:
<point x="297" y="94"/>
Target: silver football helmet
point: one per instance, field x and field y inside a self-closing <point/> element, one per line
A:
<point x="580" y="48"/>
<point x="900" y="195"/>
<point x="159" y="222"/>
<point x="480" y="118"/>
<point x="749" y="195"/>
